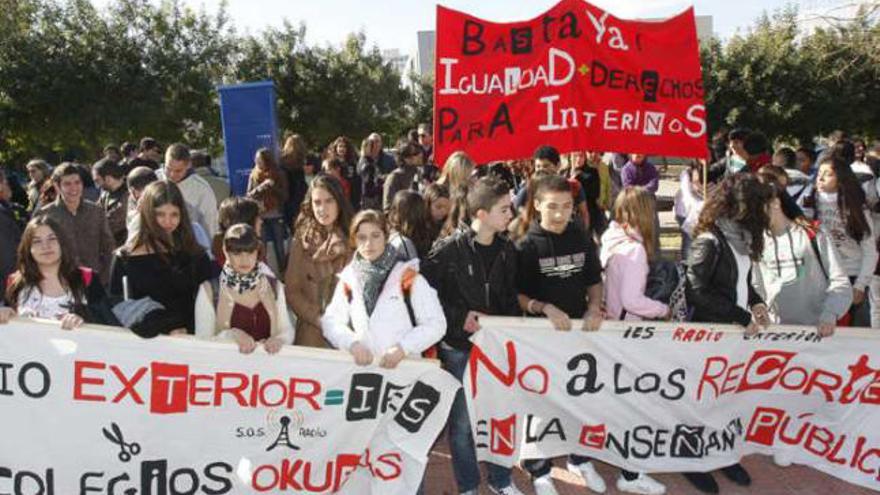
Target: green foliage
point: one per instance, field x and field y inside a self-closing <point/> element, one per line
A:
<point x="794" y="85"/>
<point x="73" y="79"/>
<point x="326" y="92"/>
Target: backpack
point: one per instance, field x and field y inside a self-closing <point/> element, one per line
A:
<point x="666" y="283"/>
<point x="406" y="283"/>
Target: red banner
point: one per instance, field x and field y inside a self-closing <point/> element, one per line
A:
<point x="575" y="78"/>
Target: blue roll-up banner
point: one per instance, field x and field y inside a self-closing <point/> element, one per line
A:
<point x="248" y="115"/>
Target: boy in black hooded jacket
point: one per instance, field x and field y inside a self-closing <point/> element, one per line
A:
<point x="474" y="273"/>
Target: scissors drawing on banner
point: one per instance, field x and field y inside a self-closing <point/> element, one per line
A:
<point x="126" y="450"/>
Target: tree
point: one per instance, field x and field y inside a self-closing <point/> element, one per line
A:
<point x="421" y="98"/>
<point x="73" y="79"/>
<point x="324" y="92"/>
<point x="794" y="85"/>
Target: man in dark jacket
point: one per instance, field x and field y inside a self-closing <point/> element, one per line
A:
<point x="474" y="273"/>
<point x="10" y="231"/>
<point x="737" y="156"/>
<point x="384" y="161"/>
<point x="405" y="176"/>
<point x="110" y="177"/>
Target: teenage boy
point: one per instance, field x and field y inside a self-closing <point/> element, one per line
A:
<point x="547" y="159"/>
<point x="474" y="273"/>
<point x="150" y="155"/>
<point x="82" y="222"/>
<point x="110" y="177"/>
<point x="197" y="193"/>
<point x="559" y="276"/>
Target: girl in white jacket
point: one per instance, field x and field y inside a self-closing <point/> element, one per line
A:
<point x="838" y="203"/>
<point x="381" y="307"/>
<point x="247" y="305"/>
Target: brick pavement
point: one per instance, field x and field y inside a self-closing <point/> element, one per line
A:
<point x="768" y="479"/>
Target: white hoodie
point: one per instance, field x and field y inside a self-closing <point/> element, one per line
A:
<point x="859" y="258"/>
<point x="688" y="204"/>
<point x="798" y="287"/>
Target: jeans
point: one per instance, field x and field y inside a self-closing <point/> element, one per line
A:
<point x="862" y="314"/>
<point x="461" y="440"/>
<point x="275" y="231"/>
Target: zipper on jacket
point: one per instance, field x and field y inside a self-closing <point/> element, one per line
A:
<point x="482" y="271"/>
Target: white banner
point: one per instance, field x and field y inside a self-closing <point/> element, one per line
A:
<point x="95" y="411"/>
<point x="664" y="397"/>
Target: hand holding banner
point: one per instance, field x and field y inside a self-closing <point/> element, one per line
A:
<point x="668" y="397"/>
<point x="108" y="412"/>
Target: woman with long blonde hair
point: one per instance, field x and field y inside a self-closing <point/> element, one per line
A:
<point x="457" y="171"/>
<point x="626" y="252"/>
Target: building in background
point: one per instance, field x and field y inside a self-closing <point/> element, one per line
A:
<point x="816" y="14"/>
<point x="397" y="60"/>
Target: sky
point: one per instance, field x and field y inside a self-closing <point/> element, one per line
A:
<point x="393" y="23"/>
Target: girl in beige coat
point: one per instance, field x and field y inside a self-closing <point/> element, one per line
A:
<point x="318" y="253"/>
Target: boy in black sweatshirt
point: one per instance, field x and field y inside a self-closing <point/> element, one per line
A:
<point x="474" y="273"/>
<point x="559" y="276"/>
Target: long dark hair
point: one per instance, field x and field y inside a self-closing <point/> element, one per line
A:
<point x="350" y="152"/>
<point x="152" y="236"/>
<point x="850" y="198"/>
<point x="409" y="217"/>
<point x="293" y="154"/>
<point x="307" y="227"/>
<point x="740" y="198"/>
<point x="433" y="193"/>
<point x="28" y="275"/>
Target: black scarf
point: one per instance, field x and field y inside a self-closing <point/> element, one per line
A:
<point x="373" y="274"/>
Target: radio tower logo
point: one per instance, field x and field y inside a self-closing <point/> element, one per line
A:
<point x="283" y="439"/>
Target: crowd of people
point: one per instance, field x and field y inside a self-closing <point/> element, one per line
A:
<point x="387" y="255"/>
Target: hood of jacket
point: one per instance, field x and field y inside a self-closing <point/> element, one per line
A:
<point x="617" y="239"/>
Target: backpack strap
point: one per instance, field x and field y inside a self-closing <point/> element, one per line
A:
<point x="406" y="284"/>
<point x="346" y="289"/>
<point x="811" y="234"/>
